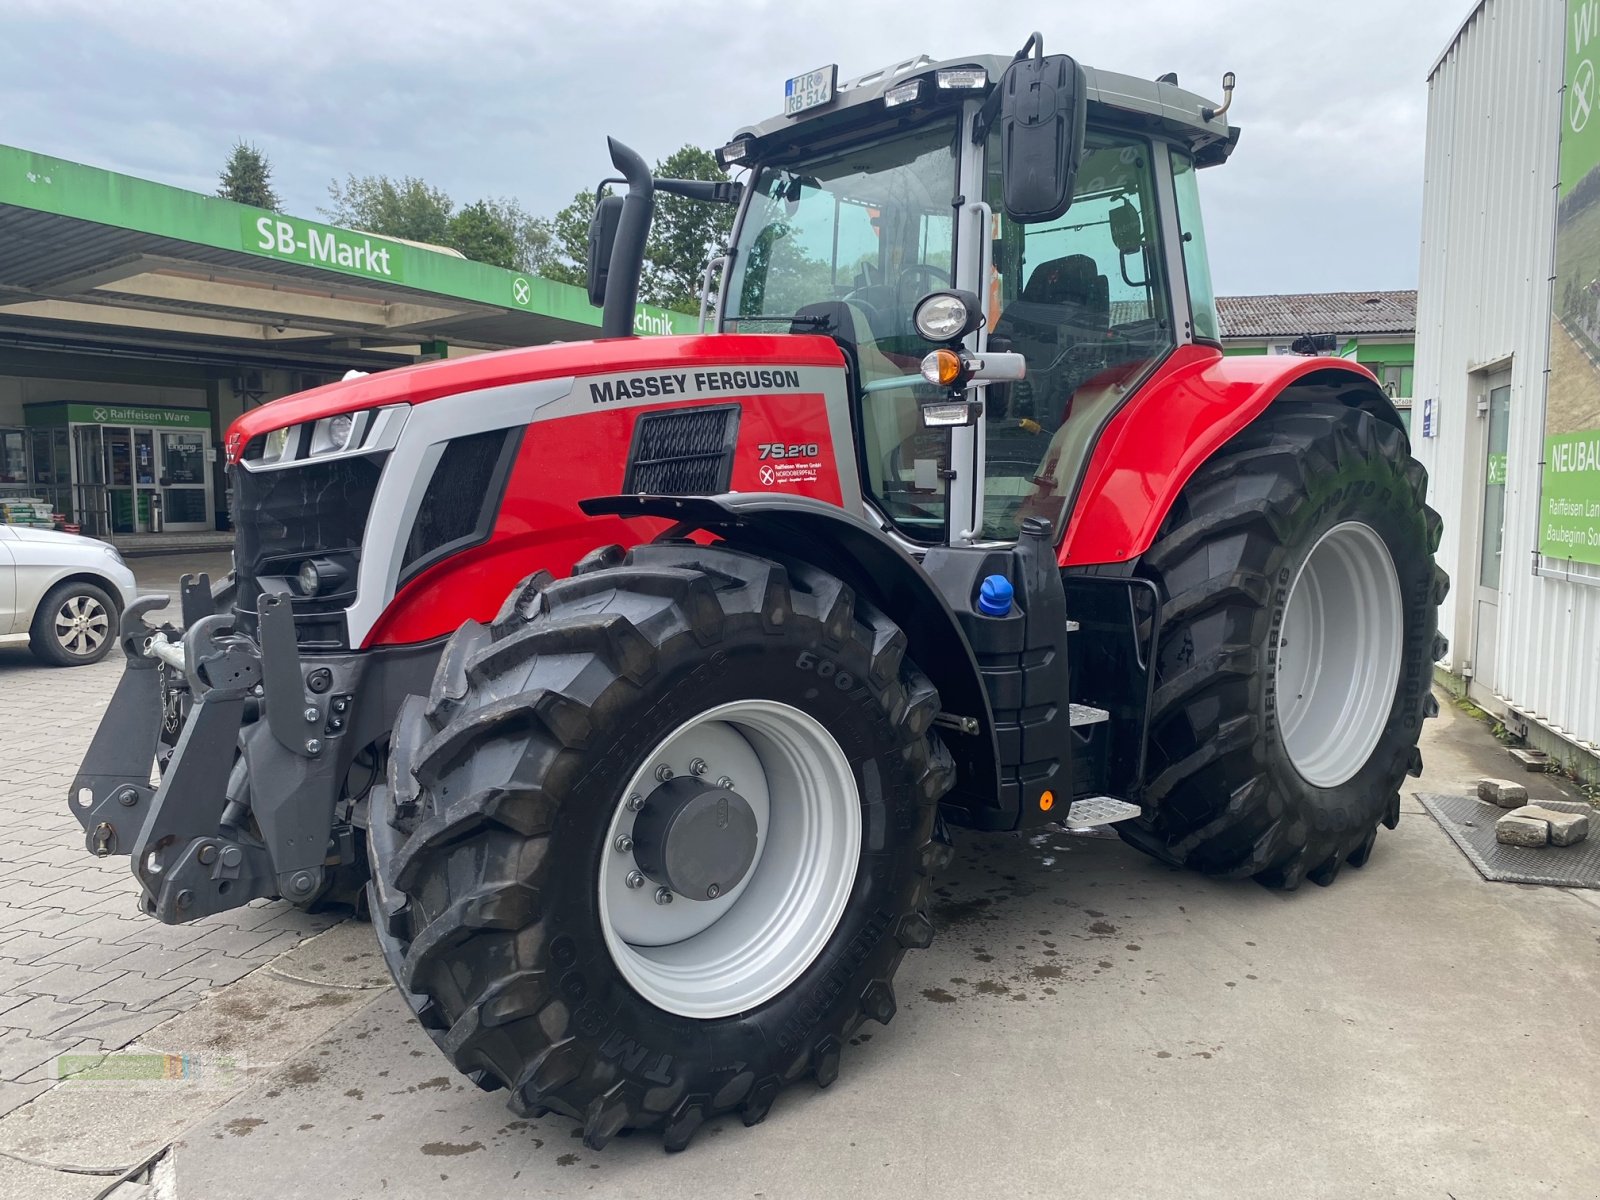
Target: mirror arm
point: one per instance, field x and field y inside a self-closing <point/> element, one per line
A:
<point x="711" y="191"/>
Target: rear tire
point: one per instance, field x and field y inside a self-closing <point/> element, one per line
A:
<point x="492" y="841"/>
<point x="1287" y="706"/>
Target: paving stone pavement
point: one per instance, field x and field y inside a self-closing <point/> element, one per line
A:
<point x="81" y="970"/>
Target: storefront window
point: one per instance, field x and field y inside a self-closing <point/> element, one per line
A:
<point x="13" y="457"/>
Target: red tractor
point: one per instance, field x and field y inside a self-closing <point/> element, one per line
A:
<point x="649" y="673"/>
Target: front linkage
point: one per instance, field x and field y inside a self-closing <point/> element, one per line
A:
<point x="246" y="801"/>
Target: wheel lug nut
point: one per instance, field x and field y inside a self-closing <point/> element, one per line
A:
<point x="697" y="766"/>
<point x="663" y="772"/>
<point x="311" y="715"/>
<point x="713" y="892"/>
<point x="635" y="802"/>
<point x="634" y="879"/>
<point x="624" y="843"/>
<point x="663" y="895"/>
<point x="725" y="782"/>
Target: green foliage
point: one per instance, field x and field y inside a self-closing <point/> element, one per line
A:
<point x="247" y="178"/>
<point x="501" y="233"/>
<point x="684" y="236"/>
<point x="569" y="236"/>
<point x="497" y="232"/>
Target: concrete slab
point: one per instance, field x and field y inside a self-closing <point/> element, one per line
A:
<point x="1088" y="1024"/>
<point x="124" y="1106"/>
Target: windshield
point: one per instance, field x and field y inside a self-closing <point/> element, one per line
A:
<point x="856" y="238"/>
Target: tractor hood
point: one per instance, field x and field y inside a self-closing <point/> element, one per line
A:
<point x="433" y="380"/>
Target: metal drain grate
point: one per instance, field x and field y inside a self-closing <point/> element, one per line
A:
<point x="1470" y="824"/>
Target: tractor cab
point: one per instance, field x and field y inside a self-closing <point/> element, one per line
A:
<point x="1058" y="202"/>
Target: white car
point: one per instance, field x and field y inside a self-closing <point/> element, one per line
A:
<point x="65" y="594"/>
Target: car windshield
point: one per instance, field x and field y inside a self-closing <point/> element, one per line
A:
<point x="855" y="239"/>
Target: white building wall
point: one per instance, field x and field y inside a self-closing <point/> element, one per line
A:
<point x="1494" y="109"/>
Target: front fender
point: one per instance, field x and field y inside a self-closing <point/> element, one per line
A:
<point x="877" y="568"/>
<point x="1196" y="401"/>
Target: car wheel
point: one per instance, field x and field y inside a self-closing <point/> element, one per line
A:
<point x="76" y="625"/>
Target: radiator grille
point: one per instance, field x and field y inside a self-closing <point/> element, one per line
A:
<point x="683" y="452"/>
<point x="462" y="500"/>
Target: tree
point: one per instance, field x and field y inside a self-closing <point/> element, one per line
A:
<point x="498" y="232"/>
<point x="684" y="235"/>
<point x="482" y="237"/>
<point x="406" y="208"/>
<point x="503" y="233"/>
<point x="569" y="233"/>
<point x="247" y="178"/>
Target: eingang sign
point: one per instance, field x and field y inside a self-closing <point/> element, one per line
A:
<point x="1569" y="519"/>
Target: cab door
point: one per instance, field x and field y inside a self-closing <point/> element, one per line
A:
<point x="8" y="584"/>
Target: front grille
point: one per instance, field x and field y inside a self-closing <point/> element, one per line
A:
<point x="683" y="452"/>
<point x="463" y="498"/>
<point x="283" y="517"/>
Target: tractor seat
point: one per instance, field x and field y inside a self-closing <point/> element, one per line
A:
<point x="1066" y="302"/>
<point x="1067" y="294"/>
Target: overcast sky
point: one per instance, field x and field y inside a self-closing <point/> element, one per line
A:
<point x="514" y="97"/>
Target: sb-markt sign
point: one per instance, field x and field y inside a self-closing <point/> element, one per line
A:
<point x="1569" y="525"/>
<point x="324" y="246"/>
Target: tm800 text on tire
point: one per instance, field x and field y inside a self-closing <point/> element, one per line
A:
<point x="658" y="838"/>
<point x="1294" y="659"/>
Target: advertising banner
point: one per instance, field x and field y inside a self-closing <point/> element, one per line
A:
<point x="1569" y="526"/>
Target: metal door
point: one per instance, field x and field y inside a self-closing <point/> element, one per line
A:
<point x="185" y="496"/>
<point x="1491" y="536"/>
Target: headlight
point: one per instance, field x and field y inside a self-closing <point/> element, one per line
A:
<point x="332" y="434"/>
<point x="277" y="444"/>
<point x="319" y="575"/>
<point x="946" y="316"/>
<point x="113" y="555"/>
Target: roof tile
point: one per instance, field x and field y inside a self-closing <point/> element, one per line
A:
<point x="1317" y="312"/>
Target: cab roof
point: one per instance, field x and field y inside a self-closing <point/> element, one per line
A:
<point x="1122" y="100"/>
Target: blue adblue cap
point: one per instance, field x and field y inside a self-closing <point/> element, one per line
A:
<point x="994" y="597"/>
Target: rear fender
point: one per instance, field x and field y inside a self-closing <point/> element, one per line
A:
<point x="1191" y="406"/>
<point x="878" y="569"/>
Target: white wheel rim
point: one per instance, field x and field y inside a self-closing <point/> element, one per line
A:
<point x="1338" y="654"/>
<point x="81" y="625"/>
<point x="714" y="958"/>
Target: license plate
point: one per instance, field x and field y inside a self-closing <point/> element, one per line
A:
<point x="811" y="90"/>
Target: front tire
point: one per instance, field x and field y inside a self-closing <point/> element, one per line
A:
<point x="1294" y="659"/>
<point x="75" y="625"/>
<point x="497" y="854"/>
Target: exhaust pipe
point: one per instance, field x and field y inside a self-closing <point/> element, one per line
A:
<point x="627" y="252"/>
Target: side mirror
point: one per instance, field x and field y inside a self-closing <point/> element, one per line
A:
<point x="1127" y="229"/>
<point x="602" y="237"/>
<point x="1043" y="105"/>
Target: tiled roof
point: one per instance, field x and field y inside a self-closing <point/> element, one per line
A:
<point x="1317" y="312"/>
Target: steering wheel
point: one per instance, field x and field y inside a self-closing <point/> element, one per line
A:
<point x="919" y="271"/>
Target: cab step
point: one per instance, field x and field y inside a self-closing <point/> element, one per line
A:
<point x="1099" y="810"/>
<point x="1084" y="714"/>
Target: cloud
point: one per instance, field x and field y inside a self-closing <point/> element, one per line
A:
<point x="511" y="98"/>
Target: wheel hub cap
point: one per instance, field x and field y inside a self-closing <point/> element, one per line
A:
<point x="695" y="838"/>
<point x="1338" y="654"/>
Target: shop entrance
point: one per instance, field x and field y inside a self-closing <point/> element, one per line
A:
<point x="134" y="470"/>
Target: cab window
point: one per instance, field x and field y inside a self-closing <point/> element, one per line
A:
<point x="1084" y="299"/>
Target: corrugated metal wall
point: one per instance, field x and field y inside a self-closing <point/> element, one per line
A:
<point x="1494" y="112"/>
